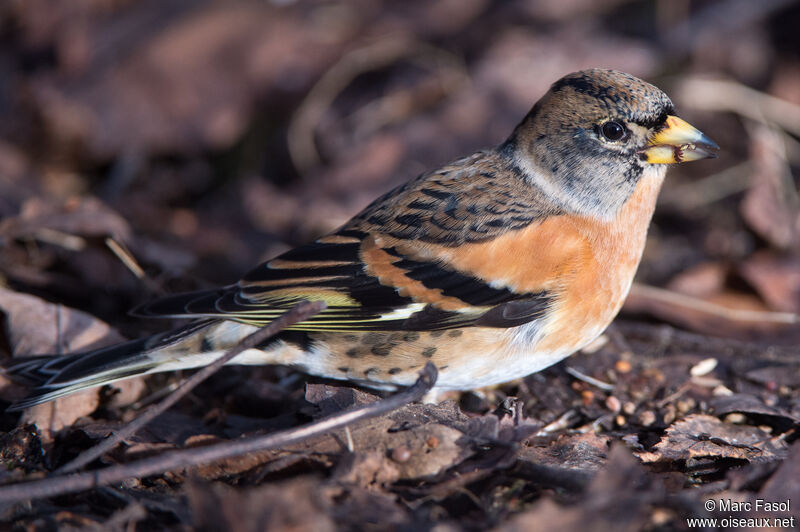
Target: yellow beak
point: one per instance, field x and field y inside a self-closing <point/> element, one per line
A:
<point x="678" y="142"/>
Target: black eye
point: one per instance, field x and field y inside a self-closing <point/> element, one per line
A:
<point x="613" y="131"/>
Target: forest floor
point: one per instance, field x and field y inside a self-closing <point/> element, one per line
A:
<point x="153" y="147"/>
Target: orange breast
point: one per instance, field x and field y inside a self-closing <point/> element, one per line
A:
<point x="587" y="262"/>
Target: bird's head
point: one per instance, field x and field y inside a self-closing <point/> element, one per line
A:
<point x="596" y="133"/>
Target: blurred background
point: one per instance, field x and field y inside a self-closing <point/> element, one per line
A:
<point x="153" y="146"/>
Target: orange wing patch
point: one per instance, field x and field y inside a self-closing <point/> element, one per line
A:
<point x="380" y="264"/>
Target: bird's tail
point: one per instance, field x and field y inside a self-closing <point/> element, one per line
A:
<point x="191" y="346"/>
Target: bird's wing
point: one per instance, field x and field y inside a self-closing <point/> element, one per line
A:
<point x="470" y="200"/>
<point x="387" y="269"/>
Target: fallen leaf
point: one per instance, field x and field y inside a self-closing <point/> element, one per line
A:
<point x="776" y="278"/>
<point x="751" y="405"/>
<point x="618" y="499"/>
<point x="36" y="327"/>
<point x="776" y="375"/>
<point x="368" y="469"/>
<point x="770" y="206"/>
<point x="785" y="483"/>
<point x="78" y="216"/>
<point x="701" y="436"/>
<point x="291" y="505"/>
<point x="725" y="313"/>
<point x="701" y="280"/>
<point x="190" y="82"/>
<point x="584" y="452"/>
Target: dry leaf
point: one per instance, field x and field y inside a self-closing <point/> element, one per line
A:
<point x="617" y="500"/>
<point x="78" y="216"/>
<point x="36" y="327"/>
<point x="771" y="205"/>
<point x="701" y="436"/>
<point x="190" y="83"/>
<point x="292" y="505"/>
<point x="776" y="278"/>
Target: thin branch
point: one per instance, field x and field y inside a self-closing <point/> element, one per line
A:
<point x="589" y="379"/>
<point x="724" y="95"/>
<point x="183" y="458"/>
<point x="676" y="299"/>
<point x="300" y="312"/>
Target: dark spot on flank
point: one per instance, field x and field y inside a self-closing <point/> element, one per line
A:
<point x="428" y="352"/>
<point x="344" y="369"/>
<point x="455" y="333"/>
<point x="371" y="338"/>
<point x="373" y="371"/>
<point x="381" y="350"/>
<point x="444" y="367"/>
<point x="352" y="353"/>
<point x="411" y="336"/>
<point x="415" y="366"/>
<point x="394" y="371"/>
<point x="205" y="345"/>
<point x="436" y="334"/>
<point x="350" y="338"/>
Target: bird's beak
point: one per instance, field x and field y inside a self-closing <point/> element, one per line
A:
<point x="678" y="142"/>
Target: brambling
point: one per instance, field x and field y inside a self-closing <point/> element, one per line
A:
<point x="493" y="267"/>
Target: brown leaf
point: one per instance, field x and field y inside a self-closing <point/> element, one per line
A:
<point x="776" y="375"/>
<point x="585" y="452"/>
<point x="292" y="505"/>
<point x="703" y="280"/>
<point x="770" y="206"/>
<point x="332" y="398"/>
<point x="617" y="500"/>
<point x="432" y="440"/>
<point x="776" y="278"/>
<point x="190" y="81"/>
<point x="717" y="314"/>
<point x="785" y="483"/>
<point x="749" y="404"/>
<point x="700" y="435"/>
<point x="35" y="327"/>
<point x="78" y="216"/>
<point x="368" y="469"/>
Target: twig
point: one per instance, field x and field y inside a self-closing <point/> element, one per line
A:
<point x="60" y="238"/>
<point x="183" y="458"/>
<point x="129" y="261"/>
<point x="731" y="314"/>
<point x="300" y="312"/>
<point x="589" y="379"/>
<point x="125" y="257"/>
<point x="723" y="95"/>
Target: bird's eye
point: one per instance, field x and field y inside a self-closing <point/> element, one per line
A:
<point x="613" y="131"/>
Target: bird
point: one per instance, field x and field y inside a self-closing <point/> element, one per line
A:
<point x="493" y="267"/>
